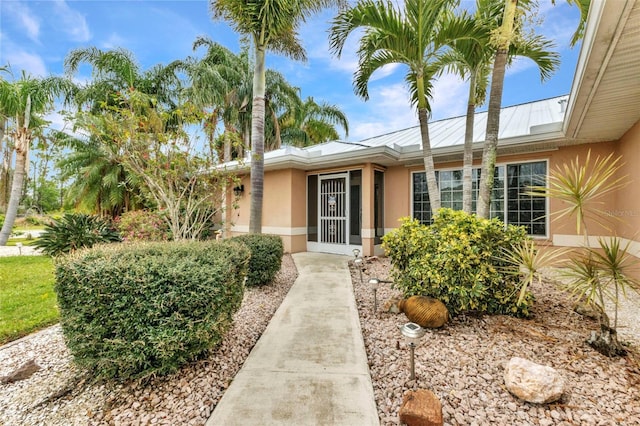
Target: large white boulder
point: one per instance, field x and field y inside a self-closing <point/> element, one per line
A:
<point x="533" y="382"/>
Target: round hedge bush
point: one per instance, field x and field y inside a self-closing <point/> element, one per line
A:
<point x="266" y="257"/>
<point x="458" y="260"/>
<point x="133" y="310"/>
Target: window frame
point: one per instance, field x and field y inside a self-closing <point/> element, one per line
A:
<point x="504" y="164"/>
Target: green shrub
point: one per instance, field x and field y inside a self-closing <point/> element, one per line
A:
<point x="266" y="257"/>
<point x="143" y="225"/>
<point x="457" y="260"/>
<point x="35" y="220"/>
<point x="74" y="231"/>
<point x="134" y="310"/>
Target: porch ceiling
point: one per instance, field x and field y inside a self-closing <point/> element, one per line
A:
<point x="605" y="98"/>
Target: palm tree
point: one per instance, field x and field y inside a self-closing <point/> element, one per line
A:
<point x="471" y="59"/>
<point x="313" y="123"/>
<point x="501" y="42"/>
<point x="219" y="83"/>
<point x="25" y="101"/>
<point x="279" y="97"/>
<point x="271" y="25"/>
<point x="101" y="183"/>
<point x="414" y="37"/>
<point x="116" y="71"/>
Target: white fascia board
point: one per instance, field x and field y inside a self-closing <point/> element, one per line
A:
<point x="605" y="22"/>
<point x="519" y="141"/>
<point x="360" y="155"/>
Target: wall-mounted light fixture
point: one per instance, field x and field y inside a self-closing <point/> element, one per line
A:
<point x="238" y="190"/>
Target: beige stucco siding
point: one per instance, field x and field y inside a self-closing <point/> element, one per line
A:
<point x="285" y="196"/>
<point x="284" y="208"/>
<point x="397" y="196"/>
<point x="628" y="198"/>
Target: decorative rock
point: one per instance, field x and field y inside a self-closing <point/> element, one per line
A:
<point x="427" y="312"/>
<point x="421" y="408"/>
<point x="533" y="382"/>
<point x="25" y="371"/>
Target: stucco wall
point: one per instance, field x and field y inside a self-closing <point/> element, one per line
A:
<point x="397" y="197"/>
<point x="398" y="183"/>
<point x="628" y="198"/>
<point x="285" y="200"/>
<point x="283" y="210"/>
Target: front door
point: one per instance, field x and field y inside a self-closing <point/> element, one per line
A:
<point x="333" y="209"/>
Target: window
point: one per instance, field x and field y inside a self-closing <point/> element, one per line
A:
<point x="519" y="208"/>
<point x="523" y="209"/>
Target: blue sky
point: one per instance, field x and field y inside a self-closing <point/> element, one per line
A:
<point x="35" y="36"/>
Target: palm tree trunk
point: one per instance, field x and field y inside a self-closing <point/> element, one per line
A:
<point x="467" y="161"/>
<point x="429" y="167"/>
<point x="22" y="147"/>
<point x="493" y="114"/>
<point x="5" y="172"/>
<point x="257" y="142"/>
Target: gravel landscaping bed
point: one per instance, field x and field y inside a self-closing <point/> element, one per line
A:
<point x="60" y="394"/>
<point x="463" y="363"/>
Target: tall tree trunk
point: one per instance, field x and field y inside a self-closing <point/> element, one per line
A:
<point x="5" y="173"/>
<point x="429" y="167"/>
<point x="467" y="160"/>
<point x="257" y="142"/>
<point x="493" y="113"/>
<point x="22" y="147"/>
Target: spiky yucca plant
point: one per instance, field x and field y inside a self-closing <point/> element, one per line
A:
<point x="593" y="271"/>
<point x="74" y="231"/>
<point x="527" y="261"/>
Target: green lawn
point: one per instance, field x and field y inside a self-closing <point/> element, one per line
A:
<point x="27" y="299"/>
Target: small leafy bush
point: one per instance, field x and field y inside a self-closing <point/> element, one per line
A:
<point x="135" y="310"/>
<point x="457" y="260"/>
<point x="75" y="231"/>
<point x="266" y="257"/>
<point x="143" y="225"/>
<point x="35" y="220"/>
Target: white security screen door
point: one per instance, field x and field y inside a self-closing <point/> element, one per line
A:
<point x="333" y="209"/>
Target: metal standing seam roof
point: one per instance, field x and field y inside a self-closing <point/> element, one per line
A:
<point x="515" y="121"/>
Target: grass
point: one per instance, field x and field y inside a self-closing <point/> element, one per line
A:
<point x="27" y="299"/>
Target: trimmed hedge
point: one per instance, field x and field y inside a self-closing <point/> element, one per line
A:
<point x="134" y="310"/>
<point x="266" y="257"/>
<point x="457" y="260"/>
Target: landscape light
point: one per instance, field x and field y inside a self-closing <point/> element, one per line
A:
<point x="375" y="283"/>
<point x="412" y="333"/>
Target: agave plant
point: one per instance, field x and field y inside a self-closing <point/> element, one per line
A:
<point x="74" y="231"/>
<point x="594" y="274"/>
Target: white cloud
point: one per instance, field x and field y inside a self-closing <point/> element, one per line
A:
<point x="450" y="96"/>
<point x="114" y="41"/>
<point x="388" y="109"/>
<point x="31" y="63"/>
<point x="25" y="17"/>
<point x="72" y="22"/>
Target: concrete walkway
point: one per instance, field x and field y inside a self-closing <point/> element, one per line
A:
<point x="309" y="367"/>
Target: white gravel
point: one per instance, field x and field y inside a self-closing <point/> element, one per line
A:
<point x="184" y="398"/>
<point x="463" y="363"/>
